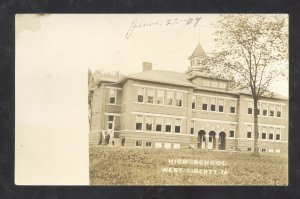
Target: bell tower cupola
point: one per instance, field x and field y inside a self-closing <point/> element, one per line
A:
<point x="196" y="59"/>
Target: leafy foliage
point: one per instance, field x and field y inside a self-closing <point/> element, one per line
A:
<point x="252" y="50"/>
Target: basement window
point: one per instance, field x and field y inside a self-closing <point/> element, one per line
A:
<point x="138" y="143"/>
<point x="148" y="144"/>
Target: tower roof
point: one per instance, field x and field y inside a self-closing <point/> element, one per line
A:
<point x="198" y="52"/>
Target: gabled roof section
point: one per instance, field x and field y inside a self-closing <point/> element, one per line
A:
<point x="198" y="52"/>
<point x="161" y="76"/>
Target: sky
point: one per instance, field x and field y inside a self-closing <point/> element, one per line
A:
<point x="122" y="42"/>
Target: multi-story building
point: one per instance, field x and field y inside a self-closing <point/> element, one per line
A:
<point x="165" y="109"/>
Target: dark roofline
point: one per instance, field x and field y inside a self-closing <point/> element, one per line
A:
<point x="280" y="97"/>
<point x="132" y="78"/>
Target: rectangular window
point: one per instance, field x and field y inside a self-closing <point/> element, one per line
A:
<point x="205" y="82"/>
<point x="150" y="96"/>
<point x="249" y="134"/>
<point x="178" y="96"/>
<point x="232" y="106"/>
<point x="263" y="150"/>
<point x="278" y="134"/>
<point x="270" y="136"/>
<point x="160" y="97"/>
<point x="141" y="92"/>
<point x="168" y="124"/>
<point x="167" y="145"/>
<point x="272" y="110"/>
<point x="249" y="149"/>
<point x="148" y="144"/>
<point x="264" y="133"/>
<point x="212" y="104"/>
<point x="111" y="119"/>
<point x="231" y="133"/>
<point x="221" y="105"/>
<point x="194" y="102"/>
<point x="139" y="122"/>
<point x="138" y="143"/>
<point x="112" y="96"/>
<point x="249" y="131"/>
<point x="204" y="103"/>
<point x="177" y="125"/>
<point x="170" y="96"/>
<point x="271" y="133"/>
<point x="192" y="126"/>
<point x="278" y="111"/>
<point x="265" y="109"/>
<point x="149" y="121"/>
<point x="250" y="107"/>
<point x="158" y="124"/>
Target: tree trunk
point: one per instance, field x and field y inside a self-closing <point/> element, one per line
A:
<point x="255" y="115"/>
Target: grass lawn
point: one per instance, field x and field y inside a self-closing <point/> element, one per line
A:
<point x="144" y="166"/>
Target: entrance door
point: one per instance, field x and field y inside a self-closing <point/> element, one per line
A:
<point x="203" y="142"/>
<point x="210" y="142"/>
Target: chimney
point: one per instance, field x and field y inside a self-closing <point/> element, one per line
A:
<point x="147" y="66"/>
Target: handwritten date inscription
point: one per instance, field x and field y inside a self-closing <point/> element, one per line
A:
<point x="135" y="24"/>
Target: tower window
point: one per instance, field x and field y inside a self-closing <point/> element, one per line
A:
<point x="112" y="96"/>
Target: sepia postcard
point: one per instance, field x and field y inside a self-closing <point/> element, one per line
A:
<point x="153" y="99"/>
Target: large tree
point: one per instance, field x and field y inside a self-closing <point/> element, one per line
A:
<point x="252" y="50"/>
